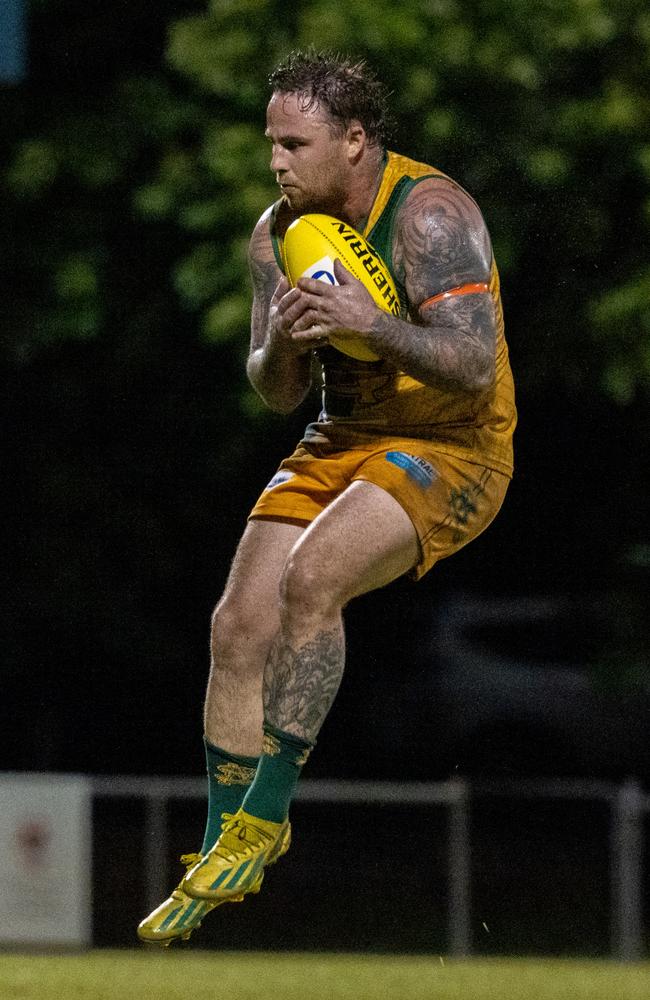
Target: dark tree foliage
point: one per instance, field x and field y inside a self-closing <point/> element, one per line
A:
<point x="132" y="168"/>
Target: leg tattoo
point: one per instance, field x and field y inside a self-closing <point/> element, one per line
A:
<point x="300" y="684"/>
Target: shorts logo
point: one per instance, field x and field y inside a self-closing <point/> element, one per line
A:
<point x="417" y="468"/>
<point x="462" y="505"/>
<point x="279" y="478"/>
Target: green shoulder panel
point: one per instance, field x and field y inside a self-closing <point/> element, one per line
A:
<point x="275" y="239"/>
<point x="382" y="233"/>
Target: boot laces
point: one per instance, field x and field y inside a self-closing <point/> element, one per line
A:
<point x="239" y="837"/>
<point x="189" y="860"/>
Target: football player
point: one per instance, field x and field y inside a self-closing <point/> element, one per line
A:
<point x="409" y="459"/>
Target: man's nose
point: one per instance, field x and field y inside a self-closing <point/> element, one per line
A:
<point x="277" y="164"/>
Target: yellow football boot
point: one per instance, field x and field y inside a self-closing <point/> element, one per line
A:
<point x="179" y="915"/>
<point x="235" y="865"/>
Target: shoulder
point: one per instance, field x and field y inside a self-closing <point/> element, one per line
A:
<point x="262" y="258"/>
<point x="260" y="248"/>
<point x="262" y="230"/>
<point x="437" y="203"/>
<point x="441" y="240"/>
<point x="268" y="231"/>
<point x="274" y="221"/>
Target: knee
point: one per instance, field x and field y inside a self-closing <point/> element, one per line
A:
<point x="305" y="591"/>
<point x="235" y="628"/>
<point x="222" y="627"/>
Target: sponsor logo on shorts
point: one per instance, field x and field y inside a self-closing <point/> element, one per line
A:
<point x="279" y="478"/>
<point x="417" y="468"/>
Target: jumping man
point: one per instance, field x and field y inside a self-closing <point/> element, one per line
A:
<point x="409" y="459"/>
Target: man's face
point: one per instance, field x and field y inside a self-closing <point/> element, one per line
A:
<point x="309" y="158"/>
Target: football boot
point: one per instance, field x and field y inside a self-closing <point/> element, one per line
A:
<point x="180" y="914"/>
<point x="235" y="865"/>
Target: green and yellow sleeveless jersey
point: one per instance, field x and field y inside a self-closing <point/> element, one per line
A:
<point x="365" y="402"/>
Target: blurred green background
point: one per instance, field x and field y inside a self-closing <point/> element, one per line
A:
<point x="132" y="169"/>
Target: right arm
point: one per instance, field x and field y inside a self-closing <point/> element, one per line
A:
<point x="279" y="367"/>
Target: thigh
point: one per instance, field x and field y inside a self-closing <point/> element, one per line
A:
<point x="361" y="541"/>
<point x="252" y="587"/>
<point x="449" y="500"/>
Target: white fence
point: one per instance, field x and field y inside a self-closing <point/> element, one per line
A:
<point x="627" y="803"/>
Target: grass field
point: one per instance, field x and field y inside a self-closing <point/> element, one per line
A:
<point x="136" y="975"/>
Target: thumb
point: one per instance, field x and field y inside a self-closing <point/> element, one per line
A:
<point x="281" y="289"/>
<point x="341" y="273"/>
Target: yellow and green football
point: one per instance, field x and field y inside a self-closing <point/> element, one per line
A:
<point x="311" y="245"/>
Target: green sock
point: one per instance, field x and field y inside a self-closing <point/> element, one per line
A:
<point x="283" y="756"/>
<point x="229" y="778"/>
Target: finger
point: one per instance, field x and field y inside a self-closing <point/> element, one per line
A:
<point x="289" y="298"/>
<point x="298" y="306"/>
<point x="281" y="289"/>
<point x="314" y="286"/>
<point x="341" y="273"/>
<point x="313" y="337"/>
<point x="306" y="321"/>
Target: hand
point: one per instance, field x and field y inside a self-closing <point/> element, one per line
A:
<point x="320" y="309"/>
<point x="287" y="303"/>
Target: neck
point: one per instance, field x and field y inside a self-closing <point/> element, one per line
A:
<point x="365" y="184"/>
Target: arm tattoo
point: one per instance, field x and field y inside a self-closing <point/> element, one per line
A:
<point x="442" y="243"/>
<point x="264" y="276"/>
<point x="454" y="348"/>
<point x="442" y="240"/>
<point x="280" y="377"/>
<point x="300" y="684"/>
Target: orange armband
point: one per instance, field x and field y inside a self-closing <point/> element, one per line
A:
<point x="470" y="289"/>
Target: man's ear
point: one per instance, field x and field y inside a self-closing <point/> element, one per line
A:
<point x="357" y="140"/>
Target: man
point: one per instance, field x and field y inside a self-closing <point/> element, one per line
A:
<point x="409" y="460"/>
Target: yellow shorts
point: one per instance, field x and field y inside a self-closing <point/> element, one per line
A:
<point x="449" y="500"/>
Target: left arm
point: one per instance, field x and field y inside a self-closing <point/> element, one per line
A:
<point x="443" y="250"/>
<point x="441" y="246"/>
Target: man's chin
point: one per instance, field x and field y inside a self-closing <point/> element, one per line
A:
<point x="301" y="203"/>
<point x="296" y="200"/>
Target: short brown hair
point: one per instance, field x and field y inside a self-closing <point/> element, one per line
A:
<point x="347" y="89"/>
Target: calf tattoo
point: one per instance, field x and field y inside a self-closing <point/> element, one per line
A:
<point x="300" y="684"/>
